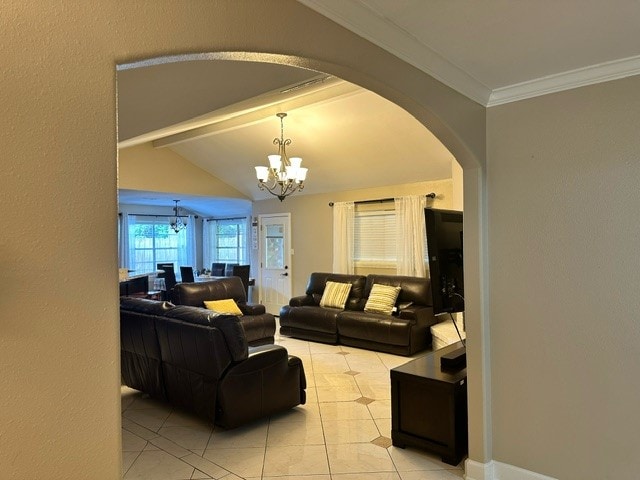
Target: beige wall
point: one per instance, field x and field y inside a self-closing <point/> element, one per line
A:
<point x="563" y="196"/>
<point x="312" y="222"/>
<point x="162" y="170"/>
<point x="59" y="343"/>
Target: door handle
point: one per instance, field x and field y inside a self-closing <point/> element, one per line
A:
<point x="285" y="274"/>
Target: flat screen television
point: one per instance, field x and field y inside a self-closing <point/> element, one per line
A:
<point x="444" y="245"/>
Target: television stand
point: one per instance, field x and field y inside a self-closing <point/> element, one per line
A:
<point x="429" y="406"/>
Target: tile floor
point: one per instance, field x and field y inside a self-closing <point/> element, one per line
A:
<point x="342" y="433"/>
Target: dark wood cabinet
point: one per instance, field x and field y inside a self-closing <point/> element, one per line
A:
<point x="429" y="406"/>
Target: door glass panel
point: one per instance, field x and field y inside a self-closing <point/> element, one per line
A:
<point x="274" y="246"/>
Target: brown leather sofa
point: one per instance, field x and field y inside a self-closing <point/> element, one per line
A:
<point x="259" y="326"/>
<point x="405" y="332"/>
<point x="200" y="361"/>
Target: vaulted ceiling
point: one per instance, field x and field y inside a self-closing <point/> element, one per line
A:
<point x="220" y="115"/>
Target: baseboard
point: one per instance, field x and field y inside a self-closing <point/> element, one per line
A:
<point x="499" y="471"/>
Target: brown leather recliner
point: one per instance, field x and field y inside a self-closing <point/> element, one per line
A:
<point x="199" y="360"/>
<point x="304" y="317"/>
<point x="259" y="326"/>
<point x="404" y="333"/>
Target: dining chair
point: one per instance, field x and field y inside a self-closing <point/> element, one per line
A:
<point x="242" y="271"/>
<point x="169" y="275"/>
<point x="228" y="271"/>
<point x="217" y="269"/>
<point x="187" y="274"/>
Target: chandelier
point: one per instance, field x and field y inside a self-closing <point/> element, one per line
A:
<point x="284" y="175"/>
<point x="177" y="224"/>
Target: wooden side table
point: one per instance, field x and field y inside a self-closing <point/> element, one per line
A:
<point x="429" y="406"/>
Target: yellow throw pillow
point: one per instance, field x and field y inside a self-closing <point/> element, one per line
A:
<point x="223" y="306"/>
<point x="335" y="294"/>
<point x="382" y="299"/>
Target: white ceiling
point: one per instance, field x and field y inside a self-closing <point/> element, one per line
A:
<point x="220" y="115"/>
<point x="496" y="51"/>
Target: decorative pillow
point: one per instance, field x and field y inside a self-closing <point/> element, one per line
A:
<point x="335" y="294"/>
<point x="382" y="299"/>
<point x="223" y="306"/>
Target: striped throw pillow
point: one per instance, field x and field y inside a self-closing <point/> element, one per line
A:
<point x="335" y="294"/>
<point x="382" y="299"/>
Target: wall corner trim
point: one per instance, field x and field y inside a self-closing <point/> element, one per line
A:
<point x="499" y="471"/>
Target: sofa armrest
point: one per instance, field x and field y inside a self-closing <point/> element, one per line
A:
<point x="302" y="301"/>
<point x="421" y="314"/>
<point x="267" y="382"/>
<point x="252" y="308"/>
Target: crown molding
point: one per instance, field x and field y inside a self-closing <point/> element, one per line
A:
<point x="360" y="19"/>
<point x="364" y="22"/>
<point x="580" y="77"/>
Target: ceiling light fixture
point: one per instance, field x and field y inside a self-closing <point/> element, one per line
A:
<point x="284" y="175"/>
<point x="177" y="224"/>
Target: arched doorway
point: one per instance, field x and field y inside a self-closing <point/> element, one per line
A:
<point x="473" y="207"/>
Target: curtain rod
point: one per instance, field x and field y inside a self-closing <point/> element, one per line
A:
<point x="383" y="200"/>
<point x="156" y="215"/>
<point x="230" y="218"/>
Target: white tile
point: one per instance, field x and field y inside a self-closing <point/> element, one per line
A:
<point x="384" y="426"/>
<point x="127" y="460"/>
<point x="158" y="465"/>
<point x="178" y="418"/>
<point x="377" y="392"/>
<point x="151" y="418"/>
<point x="309" y="433"/>
<point x="139" y="430"/>
<point x="380" y="409"/>
<point x="338" y="394"/>
<point x="358" y="458"/>
<point x="295" y="460"/>
<point x="170" y="447"/>
<point x="407" y="459"/>
<point x="302" y="413"/>
<point x="206" y="466"/>
<point x="337" y="411"/>
<point x="298" y="477"/>
<point x="191" y="438"/>
<point x="334" y="380"/>
<point x="432" y="475"/>
<point x="198" y="475"/>
<point x="349" y="431"/>
<point x="132" y="442"/>
<point x="252" y="435"/>
<point x="367" y="476"/>
<point x="373" y="378"/>
<point x="317" y="347"/>
<point x="244" y="462"/>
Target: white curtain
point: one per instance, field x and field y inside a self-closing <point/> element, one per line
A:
<point x="126" y="221"/>
<point x="191" y="242"/>
<point x="207" y="238"/>
<point x="343" y="244"/>
<point x="411" y="235"/>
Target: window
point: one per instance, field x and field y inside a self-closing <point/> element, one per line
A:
<point x="225" y="240"/>
<point x="153" y="241"/>
<point x="375" y="238"/>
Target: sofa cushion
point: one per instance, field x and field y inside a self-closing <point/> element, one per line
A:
<point x="318" y="280"/>
<point x="412" y="289"/>
<point x="375" y="327"/>
<point x="382" y="299"/>
<point x="195" y="294"/>
<point x="228" y="305"/>
<point x="335" y="295"/>
<point x="318" y="319"/>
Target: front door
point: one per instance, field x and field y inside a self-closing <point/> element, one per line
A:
<point x="275" y="261"/>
